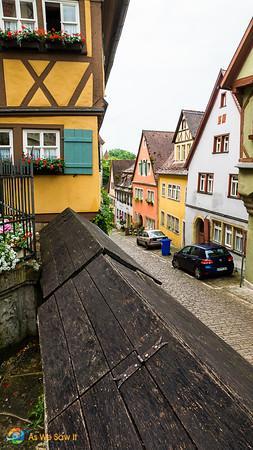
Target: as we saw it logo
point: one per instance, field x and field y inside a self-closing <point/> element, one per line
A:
<point x="15" y="436"/>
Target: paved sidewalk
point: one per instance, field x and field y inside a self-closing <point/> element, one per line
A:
<point x="220" y="303"/>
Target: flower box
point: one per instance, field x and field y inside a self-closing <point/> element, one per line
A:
<point x="31" y="45"/>
<point x="9" y="44"/>
<point x="57" y="46"/>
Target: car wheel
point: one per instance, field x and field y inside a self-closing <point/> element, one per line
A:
<point x="146" y="245"/>
<point x="175" y="264"/>
<point x="197" y="273"/>
<point x="230" y="272"/>
<point x="138" y="242"/>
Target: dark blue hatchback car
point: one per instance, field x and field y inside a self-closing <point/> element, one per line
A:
<point x="204" y="259"/>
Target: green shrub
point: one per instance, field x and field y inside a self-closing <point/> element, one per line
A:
<point x="105" y="217"/>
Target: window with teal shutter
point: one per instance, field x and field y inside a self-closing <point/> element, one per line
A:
<point x="78" y="151"/>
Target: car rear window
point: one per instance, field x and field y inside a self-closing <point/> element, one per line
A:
<point x="156" y="234"/>
<point x="219" y="251"/>
<point x="196" y="251"/>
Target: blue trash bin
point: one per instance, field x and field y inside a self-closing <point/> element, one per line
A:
<point x="165" y="246"/>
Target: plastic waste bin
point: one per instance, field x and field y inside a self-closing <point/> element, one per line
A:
<point x="165" y="246"/>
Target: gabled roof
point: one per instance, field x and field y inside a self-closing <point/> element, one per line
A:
<point x="159" y="145"/>
<point x="206" y="116"/>
<point x="125" y="364"/>
<point x="118" y="166"/>
<point x="193" y="119"/>
<point x="126" y="178"/>
<point x="239" y="58"/>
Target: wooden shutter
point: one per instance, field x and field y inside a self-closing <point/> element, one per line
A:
<point x="78" y="151"/>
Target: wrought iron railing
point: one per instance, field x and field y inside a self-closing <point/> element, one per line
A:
<point x="17" y="206"/>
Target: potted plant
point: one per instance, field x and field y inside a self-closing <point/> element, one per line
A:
<point x="58" y="40"/>
<point x="25" y="38"/>
<point x="45" y="166"/>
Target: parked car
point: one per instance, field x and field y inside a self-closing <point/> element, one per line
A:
<point x="150" y="238"/>
<point x="204" y="259"/>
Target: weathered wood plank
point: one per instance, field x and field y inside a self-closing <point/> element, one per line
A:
<point x="86" y="354"/>
<point x="210" y="415"/>
<point x="60" y="386"/>
<point x="142" y="326"/>
<point x="108" y="423"/>
<point x="71" y="424"/>
<point x="116" y="345"/>
<point x="156" y="421"/>
<point x="230" y="368"/>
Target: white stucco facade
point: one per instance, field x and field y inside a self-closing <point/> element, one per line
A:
<point x="218" y="206"/>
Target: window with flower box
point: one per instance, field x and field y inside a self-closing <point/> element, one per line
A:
<point x="16" y="14"/>
<point x="221" y="144"/>
<point x="62" y="16"/>
<point x="151" y="197"/>
<point x="6" y="144"/>
<point x="42" y="143"/>
<point x="138" y="194"/>
<point x="233" y="186"/>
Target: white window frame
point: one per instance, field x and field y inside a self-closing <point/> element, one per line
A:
<point x="238" y="234"/>
<point x="202" y="181"/>
<point x="18" y="19"/>
<point x="226" y="143"/>
<point x="63" y="2"/>
<point x="182" y="152"/>
<point x="233" y="188"/>
<point x="151" y="196"/>
<point x="209" y="184"/>
<point x="173" y="224"/>
<point x="217" y="227"/>
<point x="10" y="131"/>
<point x="150" y="223"/>
<point x="163" y="193"/>
<point x="228" y="241"/>
<point x="41" y="131"/>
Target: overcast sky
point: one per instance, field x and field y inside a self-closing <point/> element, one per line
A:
<point x="168" y="59"/>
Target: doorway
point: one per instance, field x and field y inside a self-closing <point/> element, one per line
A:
<point x="199" y="227"/>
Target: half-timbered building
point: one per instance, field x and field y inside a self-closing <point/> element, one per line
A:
<point x="173" y="178"/>
<point x="55" y="58"/>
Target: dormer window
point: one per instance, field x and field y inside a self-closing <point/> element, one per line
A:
<point x="223" y="100"/>
<point x="17" y="14"/>
<point x="62" y="16"/>
<point x="183" y="124"/>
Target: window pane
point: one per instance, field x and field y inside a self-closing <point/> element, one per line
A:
<point x="9" y="8"/>
<point x="33" y="139"/>
<point x="69" y="13"/>
<point x="4" y="138"/>
<point x="5" y="153"/>
<point x="26" y="10"/>
<point x="49" y="139"/>
<point x="70" y="29"/>
<point x="50" y="153"/>
<point x="8" y="25"/>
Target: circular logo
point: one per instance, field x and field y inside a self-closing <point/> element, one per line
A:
<point x="15" y="436"/>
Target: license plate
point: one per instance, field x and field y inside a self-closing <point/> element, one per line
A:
<point x="220" y="269"/>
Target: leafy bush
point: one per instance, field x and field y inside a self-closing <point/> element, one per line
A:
<point x="105" y="217"/>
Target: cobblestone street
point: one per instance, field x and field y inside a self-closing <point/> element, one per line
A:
<point x="219" y="303"/>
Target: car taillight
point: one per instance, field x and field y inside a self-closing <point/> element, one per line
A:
<point x="206" y="261"/>
<point x="230" y="258"/>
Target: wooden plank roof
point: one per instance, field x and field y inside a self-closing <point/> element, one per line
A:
<point x="125" y="365"/>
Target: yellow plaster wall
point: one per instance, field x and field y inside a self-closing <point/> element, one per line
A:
<point x="172" y="207"/>
<point x="53" y="193"/>
<point x="247" y="68"/>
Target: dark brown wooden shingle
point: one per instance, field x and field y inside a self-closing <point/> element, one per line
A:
<point x="125" y="365"/>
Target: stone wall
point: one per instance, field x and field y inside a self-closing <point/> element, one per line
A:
<point x="18" y="305"/>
